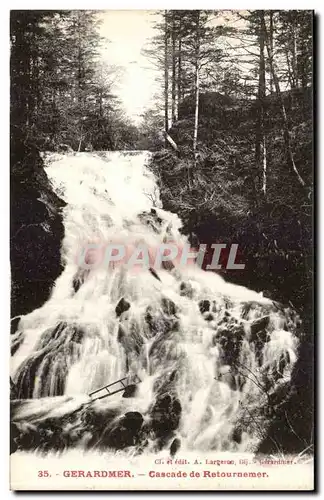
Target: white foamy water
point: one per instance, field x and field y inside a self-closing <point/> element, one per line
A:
<point x="220" y="370"/>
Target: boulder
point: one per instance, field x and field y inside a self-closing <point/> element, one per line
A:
<point x="168" y="306"/>
<point x="230" y="339"/>
<point x="126" y="432"/>
<point x="14" y="324"/>
<point x="186" y="290"/>
<point x="259" y="326"/>
<point x="13" y="390"/>
<point x="130" y="391"/>
<point x="204" y="306"/>
<point x="122" y="306"/>
<point x="16" y="341"/>
<point x="175" y="446"/>
<point x="165" y="415"/>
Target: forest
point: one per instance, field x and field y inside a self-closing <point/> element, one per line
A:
<point x="231" y="129"/>
<point x="231" y="133"/>
<point x="238" y="105"/>
<point x="61" y="92"/>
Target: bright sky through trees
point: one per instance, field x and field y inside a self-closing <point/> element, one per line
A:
<point x="128" y="32"/>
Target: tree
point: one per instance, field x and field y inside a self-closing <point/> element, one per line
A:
<point x="60" y="92"/>
<point x="197" y="68"/>
<point x="260" y="148"/>
<point x="166" y="74"/>
<point x="286" y="131"/>
<point x="174" y="71"/>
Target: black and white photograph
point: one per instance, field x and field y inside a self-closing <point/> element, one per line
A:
<point x="161" y="250"/>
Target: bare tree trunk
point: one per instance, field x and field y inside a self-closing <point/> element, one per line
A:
<point x="271" y="44"/>
<point x="179" y="77"/>
<point x="166" y="77"/>
<point x="81" y="138"/>
<point x="174" y="76"/>
<point x="283" y="110"/>
<point x="294" y="49"/>
<point x="195" y="136"/>
<point x="196" y="108"/>
<point x="260" y="146"/>
<point x="290" y="78"/>
<point x="302" y="63"/>
<point x="264" y="183"/>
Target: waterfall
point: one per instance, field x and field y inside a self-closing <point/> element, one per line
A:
<point x="212" y="357"/>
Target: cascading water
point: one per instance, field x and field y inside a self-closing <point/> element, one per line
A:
<point x="212" y="357"/>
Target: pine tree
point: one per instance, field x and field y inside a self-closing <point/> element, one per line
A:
<point x="60" y="94"/>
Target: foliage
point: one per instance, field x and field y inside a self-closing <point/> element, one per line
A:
<point x="60" y="93"/>
<point x="225" y="202"/>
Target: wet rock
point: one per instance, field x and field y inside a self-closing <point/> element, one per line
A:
<point x="16" y="341"/>
<point x="166" y="383"/>
<point x="126" y="432"/>
<point x="14" y="325"/>
<point x="161" y="347"/>
<point x="96" y="417"/>
<point x="28" y="439"/>
<point x="280" y="394"/>
<point x="165" y="415"/>
<point x="54" y="351"/>
<point x="13" y="390"/>
<point x="121" y="334"/>
<point x="194" y="240"/>
<point x="186" y="290"/>
<point x="215" y="307"/>
<point x="149" y="319"/>
<point x="204" y="306"/>
<point x="154" y="273"/>
<point x="228" y="378"/>
<point x="237" y="435"/>
<point x="76" y="284"/>
<point x="14" y="435"/>
<point x="50" y="435"/>
<point x="133" y="420"/>
<point x="259" y="326"/>
<point x="45" y="435"/>
<point x="151" y="219"/>
<point x="230" y="340"/>
<point x="64" y="148"/>
<point x="97" y="422"/>
<point x="52" y="334"/>
<point x="79" y="279"/>
<point x="175" y="446"/>
<point x="130" y="391"/>
<point x="260" y="335"/>
<point x="159" y="322"/>
<point x="129" y="335"/>
<point x="167" y="265"/>
<point x="122" y="306"/>
<point x="77" y="335"/>
<point x="168" y="306"/>
<point x="283" y="362"/>
<point x="256" y="308"/>
<point x="36" y="229"/>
